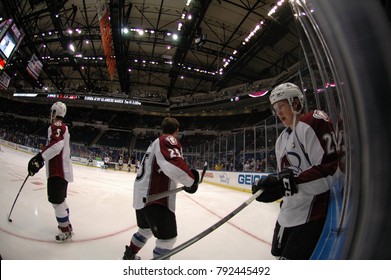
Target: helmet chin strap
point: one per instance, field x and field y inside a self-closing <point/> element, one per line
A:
<point x="294" y="122"/>
<point x="295" y="114"/>
<point x="52" y="117"/>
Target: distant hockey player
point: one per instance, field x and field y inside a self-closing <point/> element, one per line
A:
<point x="129" y="164"/>
<point x="90" y="161"/>
<point x="307" y="163"/>
<point x="161" y="169"/>
<point x="106" y="162"/>
<point x="56" y="156"/>
<point x="120" y="163"/>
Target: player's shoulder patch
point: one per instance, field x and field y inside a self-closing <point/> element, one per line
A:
<point x="171" y="139"/>
<point x="321" y="115"/>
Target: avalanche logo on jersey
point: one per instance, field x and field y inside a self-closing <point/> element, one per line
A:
<point x="291" y="160"/>
<point x="172" y="140"/>
<point x="320" y="115"/>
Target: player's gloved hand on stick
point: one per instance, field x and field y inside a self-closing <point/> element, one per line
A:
<point x="193" y="188"/>
<point x="275" y="186"/>
<point x="35" y="164"/>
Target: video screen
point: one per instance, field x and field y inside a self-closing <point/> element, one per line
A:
<point x="7" y="44"/>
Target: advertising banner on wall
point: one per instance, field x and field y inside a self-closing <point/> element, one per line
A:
<point x="241" y="181"/>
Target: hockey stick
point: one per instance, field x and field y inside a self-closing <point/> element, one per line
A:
<point x="203" y="171"/>
<point x="157" y="196"/>
<point x="9" y="219"/>
<point x="210" y="229"/>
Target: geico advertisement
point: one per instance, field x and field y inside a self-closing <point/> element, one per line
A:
<point x="240" y="180"/>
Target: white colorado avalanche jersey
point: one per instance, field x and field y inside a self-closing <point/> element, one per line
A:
<point x="57" y="152"/>
<point x="310" y="151"/>
<point x="161" y="169"/>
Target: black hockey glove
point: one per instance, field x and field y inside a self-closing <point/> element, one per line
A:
<point x="193" y="188"/>
<point x="35" y="164"/>
<point x="275" y="186"/>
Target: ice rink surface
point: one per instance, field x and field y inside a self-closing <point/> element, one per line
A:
<point x="103" y="219"/>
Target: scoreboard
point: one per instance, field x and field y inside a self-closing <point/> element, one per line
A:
<point x="10" y="39"/>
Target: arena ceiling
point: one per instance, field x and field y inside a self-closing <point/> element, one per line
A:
<point x="220" y="44"/>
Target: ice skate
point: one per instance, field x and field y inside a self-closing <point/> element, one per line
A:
<point x="65" y="234"/>
<point x="129" y="255"/>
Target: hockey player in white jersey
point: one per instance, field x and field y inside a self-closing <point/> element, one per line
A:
<point x="307" y="162"/>
<point x="57" y="157"/>
<point x="161" y="169"/>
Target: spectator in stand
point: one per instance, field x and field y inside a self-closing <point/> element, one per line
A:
<point x="246" y="166"/>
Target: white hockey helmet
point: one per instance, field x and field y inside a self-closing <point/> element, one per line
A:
<point x="58" y="109"/>
<point x="286" y="91"/>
